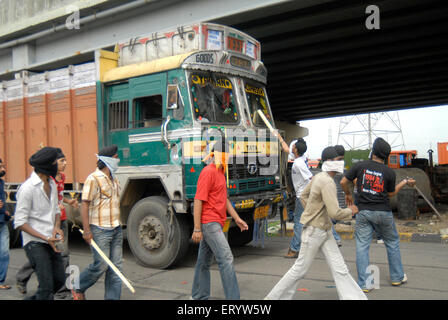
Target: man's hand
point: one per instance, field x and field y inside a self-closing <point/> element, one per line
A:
<point x="58" y="234"/>
<point x="73" y="203"/>
<point x="196" y="236"/>
<point x="87" y="236"/>
<point x="1" y="204"/>
<point x="410" y="182"/>
<point x="52" y="242"/>
<point x="349" y="200"/>
<point x="354" y="209"/>
<point x="8" y="213"/>
<point x="242" y="224"/>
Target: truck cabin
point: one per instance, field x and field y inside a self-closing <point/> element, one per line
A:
<point x="401" y="158"/>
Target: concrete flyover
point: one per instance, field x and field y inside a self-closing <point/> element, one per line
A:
<point x="322" y="58"/>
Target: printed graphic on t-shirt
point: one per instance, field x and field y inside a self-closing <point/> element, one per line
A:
<point x="372" y="182"/>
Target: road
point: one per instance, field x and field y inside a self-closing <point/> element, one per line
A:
<point x="259" y="269"/>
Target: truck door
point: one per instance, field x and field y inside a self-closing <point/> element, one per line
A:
<point x="117" y="119"/>
<point x="148" y="100"/>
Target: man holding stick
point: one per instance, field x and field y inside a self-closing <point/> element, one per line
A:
<point x="38" y="217"/>
<point x="100" y="214"/>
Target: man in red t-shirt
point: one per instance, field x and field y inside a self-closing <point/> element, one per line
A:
<point x="210" y="207"/>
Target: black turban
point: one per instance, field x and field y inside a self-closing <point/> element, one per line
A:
<point x="43" y="160"/>
<point x="329" y="153"/>
<point x="60" y="154"/>
<point x="221" y="145"/>
<point x="301" y="146"/>
<point x="381" y="148"/>
<point x="340" y="150"/>
<point x="108" y="151"/>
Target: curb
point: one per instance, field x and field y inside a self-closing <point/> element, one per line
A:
<point x="404" y="236"/>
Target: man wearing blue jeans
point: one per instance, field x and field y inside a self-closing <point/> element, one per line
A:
<point x="4" y="232"/>
<point x="301" y="176"/>
<point x="100" y="214"/>
<point x="210" y="207"/>
<point x="375" y="185"/>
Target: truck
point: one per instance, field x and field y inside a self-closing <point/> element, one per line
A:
<point x="163" y="99"/>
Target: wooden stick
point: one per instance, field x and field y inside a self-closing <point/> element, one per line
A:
<point x="111" y="265"/>
<point x="263" y="117"/>
<point x="430" y="204"/>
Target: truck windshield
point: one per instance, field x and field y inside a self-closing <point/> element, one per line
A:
<point x="213" y="98"/>
<point x="256" y="100"/>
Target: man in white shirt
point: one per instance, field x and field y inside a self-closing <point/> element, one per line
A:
<point x="38" y="217"/>
<point x="301" y="176"/>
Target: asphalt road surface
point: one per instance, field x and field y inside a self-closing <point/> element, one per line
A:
<point x="259" y="269"/>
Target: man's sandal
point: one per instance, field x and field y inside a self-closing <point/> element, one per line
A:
<point x="5" y="287"/>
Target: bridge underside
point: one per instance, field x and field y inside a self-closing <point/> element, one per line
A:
<point x="322" y="61"/>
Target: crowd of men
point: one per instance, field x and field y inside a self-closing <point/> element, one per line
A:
<point x="41" y="217"/>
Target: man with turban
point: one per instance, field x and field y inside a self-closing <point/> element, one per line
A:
<point x="301" y="176"/>
<point x="375" y="185"/>
<point x="100" y="215"/>
<point x="38" y="217"/>
<point x="321" y="205"/>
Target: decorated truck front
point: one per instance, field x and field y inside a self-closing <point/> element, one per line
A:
<point x="163" y="100"/>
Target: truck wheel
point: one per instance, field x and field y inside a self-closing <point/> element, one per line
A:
<point x="148" y="232"/>
<point x="237" y="238"/>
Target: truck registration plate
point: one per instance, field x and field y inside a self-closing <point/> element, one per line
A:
<point x="261" y="212"/>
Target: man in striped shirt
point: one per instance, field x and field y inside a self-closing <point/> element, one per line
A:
<point x="100" y="214"/>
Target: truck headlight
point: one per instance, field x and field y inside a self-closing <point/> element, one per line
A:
<point x="277" y="179"/>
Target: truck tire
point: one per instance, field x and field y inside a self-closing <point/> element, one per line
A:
<point x="148" y="232"/>
<point x="236" y="238"/>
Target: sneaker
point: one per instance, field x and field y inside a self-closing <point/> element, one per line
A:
<point x="291" y="254"/>
<point x="339" y="243"/>
<point x="403" y="281"/>
<point x="21" y="287"/>
<point x="380" y="241"/>
<point x="365" y="290"/>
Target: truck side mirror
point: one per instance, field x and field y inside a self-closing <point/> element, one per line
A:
<point x="172" y="97"/>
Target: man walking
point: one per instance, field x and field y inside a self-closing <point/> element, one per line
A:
<point x="4" y="231"/>
<point x="301" y="176"/>
<point x="210" y="207"/>
<point x="100" y="214"/>
<point x="375" y="185"/>
<point x="24" y="274"/>
<point x="321" y="204"/>
<point x="38" y="217"/>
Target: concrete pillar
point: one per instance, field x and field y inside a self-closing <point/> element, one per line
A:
<point x="23" y="56"/>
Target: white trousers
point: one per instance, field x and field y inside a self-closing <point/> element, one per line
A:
<point x="314" y="239"/>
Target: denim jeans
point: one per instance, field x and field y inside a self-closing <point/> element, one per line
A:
<point x="26" y="271"/>
<point x="214" y="243"/>
<point x="383" y="222"/>
<point x="295" y="241"/>
<point x="4" y="251"/>
<point x="313" y="240"/>
<point x="48" y="267"/>
<point x="111" y="243"/>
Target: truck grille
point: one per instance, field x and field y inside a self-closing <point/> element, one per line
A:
<point x="241" y="171"/>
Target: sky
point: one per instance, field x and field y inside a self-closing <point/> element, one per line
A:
<point x="422" y="129"/>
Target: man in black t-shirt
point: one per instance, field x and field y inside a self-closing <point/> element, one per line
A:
<point x="375" y="185"/>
